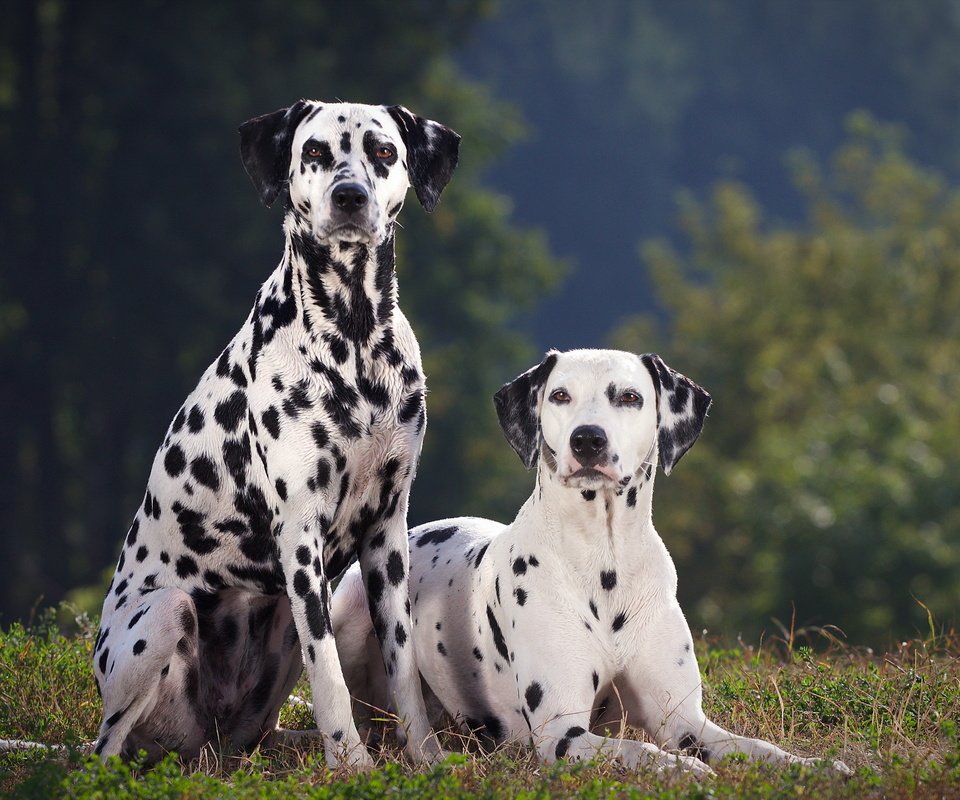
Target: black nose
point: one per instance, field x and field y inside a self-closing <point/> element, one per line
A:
<point x="349" y="197"/>
<point x="589" y="444"/>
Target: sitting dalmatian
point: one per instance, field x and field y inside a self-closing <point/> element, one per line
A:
<point x="293" y="457"/>
<point x="565" y="623"/>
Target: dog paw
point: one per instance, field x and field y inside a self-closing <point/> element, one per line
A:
<point x="429" y="753"/>
<point x="842" y="768"/>
<point x="355" y="757"/>
<point x="689" y="764"/>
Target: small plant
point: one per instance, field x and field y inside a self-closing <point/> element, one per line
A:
<point x="892" y="717"/>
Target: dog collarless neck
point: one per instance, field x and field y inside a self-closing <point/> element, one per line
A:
<point x="346" y="290"/>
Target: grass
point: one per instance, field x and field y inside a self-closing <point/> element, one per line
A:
<point x="893" y="718"/>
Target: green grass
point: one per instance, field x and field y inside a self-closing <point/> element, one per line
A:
<point x="892" y="717"/>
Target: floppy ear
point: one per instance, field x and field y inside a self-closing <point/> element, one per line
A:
<point x="432" y="154"/>
<point x="265" y="148"/>
<point x="681" y="409"/>
<point x="517" y="404"/>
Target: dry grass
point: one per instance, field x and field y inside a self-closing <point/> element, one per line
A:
<point x="892" y="717"/>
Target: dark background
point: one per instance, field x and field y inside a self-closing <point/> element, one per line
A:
<point x="763" y="191"/>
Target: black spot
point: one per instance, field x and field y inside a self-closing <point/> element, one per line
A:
<point x="324" y="158"/>
<point x="534" y="695"/>
<point x="174" y="461"/>
<point x="195" y="420"/>
<point x="437" y="536"/>
<point x="139" y="646"/>
<point x="186" y="567"/>
<point x="497" y="634"/>
<point x="194" y="534"/>
<point x="380" y="165"/>
<point x="521" y="596"/>
<point x="400" y="634"/>
<point x="142" y="553"/>
<point x="596" y="681"/>
<point x="608" y="579"/>
<point x="593" y="610"/>
<point x="102" y="663"/>
<point x="205" y="472"/>
<point x="281" y="488"/>
<point x="236" y="456"/>
<point x="132" y="533"/>
<point x="317" y="618"/>
<point x="229" y="412"/>
<point x="237" y="376"/>
<point x="692" y="746"/>
<point x="632" y="496"/>
<point x="441" y="649"/>
<point x="519" y="566"/>
<point x="480" y="554"/>
<point x="311" y="654"/>
<point x="494" y="728"/>
<point x="619" y="620"/>
<point x="395" y="570"/>
<point x="375" y="586"/>
<point x="271" y="421"/>
<point x="301" y="583"/>
<point x="477" y="654"/>
<point x="410" y="406"/>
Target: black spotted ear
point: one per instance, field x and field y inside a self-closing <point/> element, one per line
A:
<point x="432" y="154"/>
<point x="681" y="410"/>
<point x="517" y="403"/>
<point x="265" y="148"/>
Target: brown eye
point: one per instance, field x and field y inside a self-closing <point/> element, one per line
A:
<point x="559" y="396"/>
<point x="314" y="152"/>
<point x="630" y="398"/>
<point x="384" y="152"/>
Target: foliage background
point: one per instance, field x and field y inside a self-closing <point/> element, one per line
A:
<point x="808" y="151"/>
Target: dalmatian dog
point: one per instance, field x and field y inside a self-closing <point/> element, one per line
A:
<point x="292" y="458"/>
<point x="563" y="625"/>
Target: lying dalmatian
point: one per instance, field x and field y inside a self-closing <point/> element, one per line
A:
<point x="564" y="624"/>
<point x="293" y="457"/>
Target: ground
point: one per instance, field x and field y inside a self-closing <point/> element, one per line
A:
<point x="892" y="717"/>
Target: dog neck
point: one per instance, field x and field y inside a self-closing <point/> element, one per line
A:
<point x="345" y="290"/>
<point x="621" y="516"/>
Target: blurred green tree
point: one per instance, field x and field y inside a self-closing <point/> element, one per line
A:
<point x="828" y="475"/>
<point x="132" y="245"/>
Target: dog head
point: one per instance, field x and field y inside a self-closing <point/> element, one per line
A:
<point x="346" y="167"/>
<point x="597" y="417"/>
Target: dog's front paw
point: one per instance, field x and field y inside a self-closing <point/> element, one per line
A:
<point x="354" y="756"/>
<point x="687" y="764"/>
<point x="428" y="752"/>
<point x="646" y="754"/>
<point x="842" y="768"/>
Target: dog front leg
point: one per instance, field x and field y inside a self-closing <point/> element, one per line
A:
<point x="384" y="564"/>
<point x="666" y="680"/>
<point x="558" y="732"/>
<point x="558" y="697"/>
<point x="307" y="587"/>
